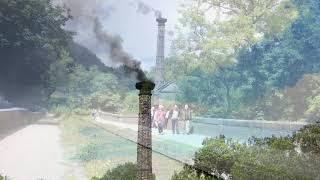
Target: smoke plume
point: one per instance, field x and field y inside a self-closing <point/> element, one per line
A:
<point x="146" y="9"/>
<point x="86" y="20"/>
<point x="116" y="51"/>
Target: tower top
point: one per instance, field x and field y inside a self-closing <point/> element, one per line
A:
<point x="161" y="20"/>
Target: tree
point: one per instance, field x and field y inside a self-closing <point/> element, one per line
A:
<point x="209" y="41"/>
<point x="31" y="39"/>
<point x="88" y="88"/>
<point x="309" y="138"/>
<point x="217" y="156"/>
<point x="222" y="60"/>
<point x="216" y="89"/>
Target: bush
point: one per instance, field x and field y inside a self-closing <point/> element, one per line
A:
<point x="60" y="110"/>
<point x="188" y="173"/>
<point x="3" y="177"/>
<point x="130" y="103"/>
<point x="217" y="156"/>
<point x="278" y="143"/>
<point x="309" y="138"/>
<point x="269" y="158"/>
<point x="105" y="100"/>
<point x="275" y="165"/>
<point x="127" y="171"/>
<point x="81" y="111"/>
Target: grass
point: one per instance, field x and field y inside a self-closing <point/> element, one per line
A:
<point x="99" y="151"/>
<point x="95" y="149"/>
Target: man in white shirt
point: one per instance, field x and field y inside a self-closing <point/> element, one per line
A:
<point x="186" y="116"/>
<point x="175" y="119"/>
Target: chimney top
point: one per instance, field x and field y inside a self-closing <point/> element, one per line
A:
<point x="161" y="20"/>
<point x="145" y="87"/>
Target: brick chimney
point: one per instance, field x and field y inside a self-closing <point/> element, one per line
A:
<point x="144" y="146"/>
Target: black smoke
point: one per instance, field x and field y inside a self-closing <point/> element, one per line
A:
<point x="86" y="16"/>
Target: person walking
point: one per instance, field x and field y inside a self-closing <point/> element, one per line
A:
<point x="168" y="116"/>
<point x="186" y="118"/>
<point x="94" y="114"/>
<point x="174" y="119"/>
<point x="160" y="116"/>
<point x="152" y="117"/>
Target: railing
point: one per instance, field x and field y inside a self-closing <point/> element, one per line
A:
<point x="281" y="125"/>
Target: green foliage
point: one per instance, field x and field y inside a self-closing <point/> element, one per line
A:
<point x="213" y="31"/>
<point x="130" y="103"/>
<point x="276" y="143"/>
<point x="102" y="145"/>
<point x="92" y="151"/>
<point x="31" y="40"/>
<point x="313" y="111"/>
<point x="61" y="110"/>
<point x="4" y="177"/>
<point x="309" y="138"/>
<point x="32" y="24"/>
<point x="105" y="100"/>
<point x="87" y="89"/>
<point x="128" y="171"/>
<point x="270" y="164"/>
<point x="250" y="63"/>
<point x="215" y="90"/>
<point x="267" y="158"/>
<point x="217" y="156"/>
<point x="189" y="173"/>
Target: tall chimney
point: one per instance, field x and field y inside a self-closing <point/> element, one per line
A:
<point x="144" y="146"/>
<point x="160" y="51"/>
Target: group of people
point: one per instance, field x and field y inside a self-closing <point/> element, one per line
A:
<point x="178" y="117"/>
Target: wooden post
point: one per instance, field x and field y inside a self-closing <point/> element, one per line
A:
<point x="144" y="146"/>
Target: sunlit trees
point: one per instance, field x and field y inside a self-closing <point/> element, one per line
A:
<point x="212" y="32"/>
<point x="247" y="62"/>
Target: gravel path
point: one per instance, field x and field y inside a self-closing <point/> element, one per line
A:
<point x="33" y="153"/>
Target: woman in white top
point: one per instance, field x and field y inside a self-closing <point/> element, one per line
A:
<point x="175" y="119"/>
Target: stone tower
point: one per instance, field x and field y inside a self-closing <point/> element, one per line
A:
<point x="160" y="63"/>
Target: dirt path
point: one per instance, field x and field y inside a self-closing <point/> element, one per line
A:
<point x="33" y="153"/>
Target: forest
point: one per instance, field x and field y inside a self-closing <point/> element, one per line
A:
<point x="254" y="60"/>
<point x="42" y="67"/>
